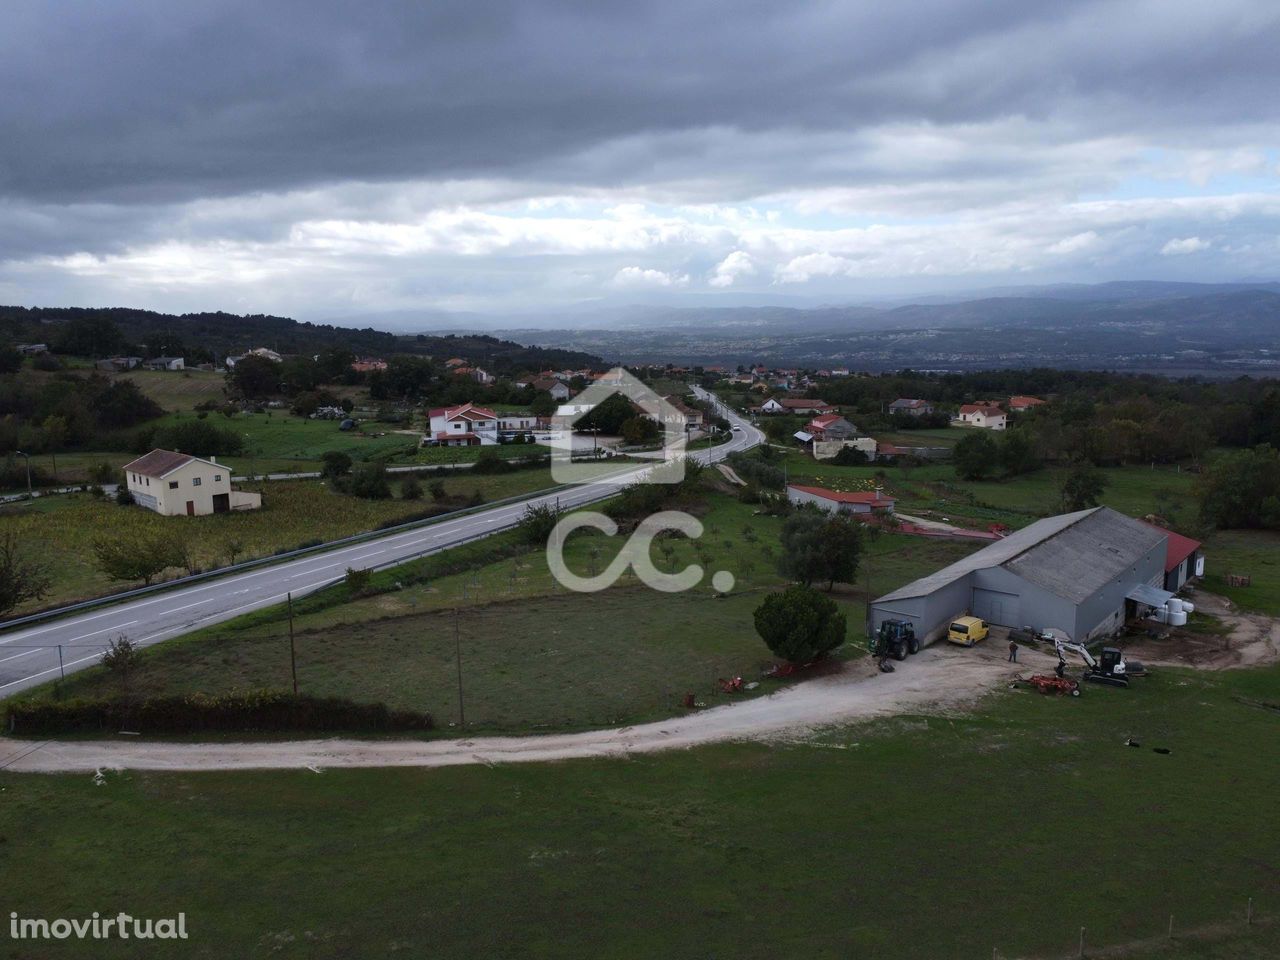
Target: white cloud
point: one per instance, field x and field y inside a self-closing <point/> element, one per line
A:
<point x="633" y="278"/>
<point x="1076" y="243"/>
<point x="735" y="265"/>
<point x="1185" y="245"/>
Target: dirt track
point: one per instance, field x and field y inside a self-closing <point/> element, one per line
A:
<point x="940" y="678"/>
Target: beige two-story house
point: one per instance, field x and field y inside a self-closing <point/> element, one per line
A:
<point x="178" y="484"/>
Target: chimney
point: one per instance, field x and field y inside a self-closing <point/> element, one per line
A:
<point x="213" y="460"/>
<point x="879" y="493"/>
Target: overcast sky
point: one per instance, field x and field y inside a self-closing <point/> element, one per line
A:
<point x="321" y="159"/>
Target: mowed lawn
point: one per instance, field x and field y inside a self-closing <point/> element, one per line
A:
<point x="999" y="832"/>
<point x="294" y="512"/>
<point x="1251" y="553"/>
<point x="535" y="655"/>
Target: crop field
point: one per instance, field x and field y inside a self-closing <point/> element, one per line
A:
<point x="293" y="512"/>
<point x="998" y="832"/>
<point x="535" y="655"/>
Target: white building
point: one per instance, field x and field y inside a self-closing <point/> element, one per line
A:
<point x="176" y="484"/>
<point x="836" y="501"/>
<point x="986" y="416"/>
<point x="469" y="425"/>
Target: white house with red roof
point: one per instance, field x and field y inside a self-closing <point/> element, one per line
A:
<point x="986" y="416"/>
<point x="830" y="426"/>
<point x="836" y="501"/>
<point x="470" y="425"/>
<point x="795" y="405"/>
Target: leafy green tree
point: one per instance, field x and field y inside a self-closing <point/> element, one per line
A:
<point x="799" y="624"/>
<point x="367" y="481"/>
<point x="817" y="546"/>
<point x="639" y="430"/>
<point x="254" y="378"/>
<point x="139" y="556"/>
<point x="608" y="416"/>
<point x="1241" y="488"/>
<point x="334" y="464"/>
<point x="10" y="360"/>
<point x="23" y="574"/>
<point x="198" y="438"/>
<point x="537" y="523"/>
<point x="1082" y="487"/>
<point x="976" y="455"/>
<point x="1017" y="453"/>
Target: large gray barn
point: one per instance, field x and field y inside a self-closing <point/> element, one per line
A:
<point x="1082" y="573"/>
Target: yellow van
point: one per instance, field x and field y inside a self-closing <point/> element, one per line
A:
<point x="967" y="631"/>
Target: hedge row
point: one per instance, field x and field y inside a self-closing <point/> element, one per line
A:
<point x="264" y="710"/>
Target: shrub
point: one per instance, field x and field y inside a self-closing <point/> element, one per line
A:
<point x="264" y="710"/>
<point x="199" y="438"/>
<point x="334" y="464"/>
<point x="358" y="580"/>
<point x="490" y="461"/>
<point x="537" y="523"/>
<point x="123" y="496"/>
<point x="410" y="488"/>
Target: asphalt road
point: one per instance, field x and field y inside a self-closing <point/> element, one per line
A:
<point x="39" y="653"/>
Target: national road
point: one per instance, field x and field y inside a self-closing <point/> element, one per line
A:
<point x="35" y="654"/>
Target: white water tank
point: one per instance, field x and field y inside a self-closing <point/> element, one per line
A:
<point x="1188" y="606"/>
<point x="1174" y="605"/>
<point x="1177" y="618"/>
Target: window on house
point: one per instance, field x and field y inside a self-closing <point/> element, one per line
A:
<point x="148" y="481"/>
<point x="173" y="484"/>
<point x="217" y="478"/>
<point x="195" y="481"/>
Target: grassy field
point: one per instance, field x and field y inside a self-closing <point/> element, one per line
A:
<point x="176" y="391"/>
<point x="283" y="438"/>
<point x="932" y="437"/>
<point x="915" y="838"/>
<point x="293" y="512"/>
<point x="1254" y="553"/>
<point x="934" y="490"/>
<point x="536" y="655"/>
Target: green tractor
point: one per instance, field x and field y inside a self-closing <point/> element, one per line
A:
<point x="895" y="639"/>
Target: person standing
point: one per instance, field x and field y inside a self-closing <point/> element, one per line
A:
<point x="1013" y="651"/>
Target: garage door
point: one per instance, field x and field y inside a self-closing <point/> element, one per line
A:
<point x="995" y="607"/>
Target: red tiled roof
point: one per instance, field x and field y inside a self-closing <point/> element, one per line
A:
<point x="866" y="496"/>
<point x="825" y="420"/>
<point x="1178" y="547"/>
<point x="1021" y="401"/>
<point x="989" y="409"/>
<point x="157" y="463"/>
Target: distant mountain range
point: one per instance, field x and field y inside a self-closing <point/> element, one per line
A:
<point x="1166" y="327"/>
<point x="1219" y="329"/>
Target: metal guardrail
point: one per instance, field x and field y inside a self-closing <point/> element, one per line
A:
<point x="56" y="612"/>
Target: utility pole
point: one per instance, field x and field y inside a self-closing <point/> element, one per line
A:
<point x="457" y="652"/>
<point x="293" y="650"/>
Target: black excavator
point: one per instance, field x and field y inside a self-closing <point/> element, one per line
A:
<point x="896" y="639"/>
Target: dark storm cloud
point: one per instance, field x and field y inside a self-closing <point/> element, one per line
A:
<point x="157" y="101"/>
